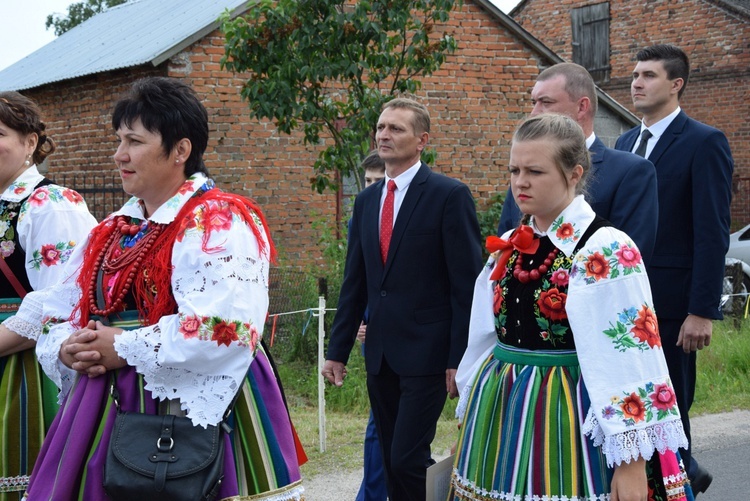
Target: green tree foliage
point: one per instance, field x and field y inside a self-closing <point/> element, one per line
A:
<point x="78" y="13"/>
<point x="328" y="66"/>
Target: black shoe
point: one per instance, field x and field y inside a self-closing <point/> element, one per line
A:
<point x="701" y="480"/>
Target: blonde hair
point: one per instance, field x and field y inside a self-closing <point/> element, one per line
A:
<point x="566" y="137"/>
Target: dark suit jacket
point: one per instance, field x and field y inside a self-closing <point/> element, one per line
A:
<point x="694" y="171"/>
<point x="419" y="302"/>
<point x="622" y="189"/>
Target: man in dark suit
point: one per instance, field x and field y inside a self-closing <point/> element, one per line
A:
<point x="623" y="185"/>
<point x="417" y="287"/>
<point x="694" y="170"/>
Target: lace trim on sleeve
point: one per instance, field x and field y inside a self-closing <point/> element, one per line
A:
<point x="633" y="444"/>
<point x="47" y="353"/>
<point x="463" y="402"/>
<point x="22" y="327"/>
<point x="204" y="398"/>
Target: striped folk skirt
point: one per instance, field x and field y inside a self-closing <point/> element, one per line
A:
<point x="521" y="435"/>
<point x="28" y="403"/>
<point x="260" y="460"/>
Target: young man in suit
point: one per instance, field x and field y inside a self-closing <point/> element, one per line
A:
<point x="623" y="185"/>
<point x="417" y="286"/>
<point x="694" y="171"/>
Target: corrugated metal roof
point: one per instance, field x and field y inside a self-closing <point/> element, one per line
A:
<point x="134" y="33"/>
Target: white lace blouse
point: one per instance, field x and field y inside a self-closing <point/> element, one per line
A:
<point x="198" y="355"/>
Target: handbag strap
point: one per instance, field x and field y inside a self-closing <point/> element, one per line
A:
<point x="12" y="278"/>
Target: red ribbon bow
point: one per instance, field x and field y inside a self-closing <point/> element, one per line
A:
<point x="521" y="240"/>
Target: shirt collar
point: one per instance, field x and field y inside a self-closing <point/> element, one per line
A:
<point x="23" y="185"/>
<point x="166" y="213"/>
<point x="567" y="229"/>
<point x="404" y="179"/>
<point x="590" y="140"/>
<point x="658" y="128"/>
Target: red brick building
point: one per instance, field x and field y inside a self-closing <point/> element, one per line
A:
<point x="476" y="100"/>
<point x="605" y="36"/>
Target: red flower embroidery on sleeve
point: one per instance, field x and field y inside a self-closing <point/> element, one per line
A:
<point x="225" y="333"/>
<point x="633" y="408"/>
<point x="646" y="327"/>
<point x="597" y="266"/>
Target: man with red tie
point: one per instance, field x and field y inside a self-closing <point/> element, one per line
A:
<point x="413" y="256"/>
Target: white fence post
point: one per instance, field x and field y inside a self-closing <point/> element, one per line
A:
<point x="321" y="380"/>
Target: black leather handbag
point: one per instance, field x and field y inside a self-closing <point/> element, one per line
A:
<point x="163" y="458"/>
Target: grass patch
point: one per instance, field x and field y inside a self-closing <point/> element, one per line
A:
<point x="723" y="382"/>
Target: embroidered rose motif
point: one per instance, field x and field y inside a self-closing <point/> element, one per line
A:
<point x="254" y="336"/>
<point x="19" y="189"/>
<point x="597" y="266"/>
<point x="39" y="197"/>
<point x="224" y="333"/>
<point x="663" y="397"/>
<point x="565" y="231"/>
<point x="186" y="187"/>
<point x="72" y="196"/>
<point x="190" y="327"/>
<point x="50" y="255"/>
<point x="560" y="278"/>
<point x="646" y="327"/>
<point x="6" y="248"/>
<point x="497" y="298"/>
<point x="628" y="257"/>
<point x="633" y="408"/>
<point x="552" y="304"/>
<point x="217" y="217"/>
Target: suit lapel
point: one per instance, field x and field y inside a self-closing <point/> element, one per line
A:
<point x="597" y="156"/>
<point x="413" y="194"/>
<point x="670" y="135"/>
<point x="629" y="139"/>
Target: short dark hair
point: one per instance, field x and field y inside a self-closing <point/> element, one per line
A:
<point x="171" y="108"/>
<point x="674" y="59"/>
<point x="373" y="162"/>
<point x="23" y="115"/>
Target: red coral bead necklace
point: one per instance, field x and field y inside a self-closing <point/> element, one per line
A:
<point x="109" y="261"/>
<point x="525" y="276"/>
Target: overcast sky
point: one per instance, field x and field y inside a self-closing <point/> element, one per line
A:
<point x="22" y="25"/>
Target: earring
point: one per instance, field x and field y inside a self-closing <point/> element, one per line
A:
<point x="27" y="163"/>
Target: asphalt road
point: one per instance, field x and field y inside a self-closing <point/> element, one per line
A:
<point x="721" y="443"/>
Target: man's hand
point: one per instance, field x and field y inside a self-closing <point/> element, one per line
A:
<point x="695" y="333"/>
<point x="334" y="372"/>
<point x="450" y="383"/>
<point x="361" y="332"/>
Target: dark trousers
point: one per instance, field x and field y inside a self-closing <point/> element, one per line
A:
<point x="682" y="372"/>
<point x="373" y="486"/>
<point x="406" y="410"/>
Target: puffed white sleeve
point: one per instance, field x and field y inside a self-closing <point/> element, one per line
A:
<point x="633" y="407"/>
<point x="52" y="221"/>
<point x="201" y="354"/>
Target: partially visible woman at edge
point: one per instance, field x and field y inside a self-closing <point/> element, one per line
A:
<point x="181" y="273"/>
<point x="40" y="223"/>
<point x="565" y="393"/>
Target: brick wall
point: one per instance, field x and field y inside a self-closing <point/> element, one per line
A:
<point x="716" y="40"/>
<point x="476" y="100"/>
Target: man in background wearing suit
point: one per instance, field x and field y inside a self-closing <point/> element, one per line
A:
<point x="623" y="185"/>
<point x="694" y="171"/>
<point x="413" y="256"/>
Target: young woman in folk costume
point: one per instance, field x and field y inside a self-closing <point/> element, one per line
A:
<point x="180" y="274"/>
<point x="564" y="389"/>
<point x="40" y="223"/>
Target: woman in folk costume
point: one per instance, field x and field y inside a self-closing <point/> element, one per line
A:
<point x="565" y="394"/>
<point x="168" y="303"/>
<point x="40" y="223"/>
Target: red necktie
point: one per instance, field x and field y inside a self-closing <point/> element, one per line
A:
<point x="386" y="220"/>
